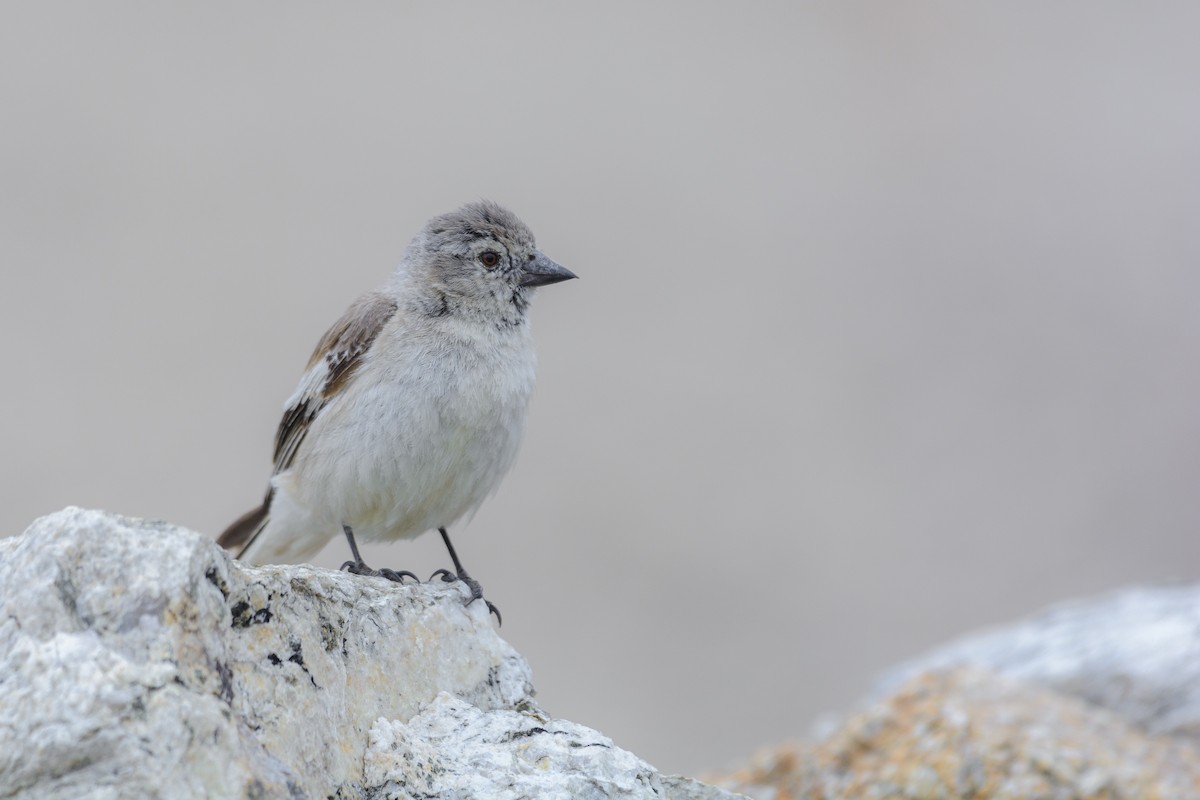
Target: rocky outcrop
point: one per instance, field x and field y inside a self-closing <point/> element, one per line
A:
<point x="138" y="660"/>
<point x="1097" y="698"/>
<point x="1135" y="652"/>
<point x="972" y="733"/>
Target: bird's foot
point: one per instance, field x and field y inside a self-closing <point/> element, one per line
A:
<point x="476" y="589"/>
<point x="356" y="566"/>
<point x="397" y="576"/>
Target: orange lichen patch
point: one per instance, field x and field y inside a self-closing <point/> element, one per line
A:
<point x="971" y="733"/>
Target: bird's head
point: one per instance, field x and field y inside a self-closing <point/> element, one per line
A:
<point x="481" y="259"/>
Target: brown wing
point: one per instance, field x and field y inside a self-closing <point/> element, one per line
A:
<point x="332" y="366"/>
<point x="330" y="369"/>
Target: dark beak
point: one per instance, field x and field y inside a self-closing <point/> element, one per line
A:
<point x="541" y="271"/>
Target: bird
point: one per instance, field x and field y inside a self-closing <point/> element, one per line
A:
<point x="413" y="405"/>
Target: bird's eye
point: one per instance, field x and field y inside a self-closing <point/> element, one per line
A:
<point x="489" y="258"/>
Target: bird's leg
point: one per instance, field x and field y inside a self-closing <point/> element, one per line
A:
<point x="359" y="567"/>
<point x="460" y="574"/>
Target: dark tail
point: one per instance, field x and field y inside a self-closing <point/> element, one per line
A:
<point x="242" y="533"/>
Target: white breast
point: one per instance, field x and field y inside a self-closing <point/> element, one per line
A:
<point x="422" y="434"/>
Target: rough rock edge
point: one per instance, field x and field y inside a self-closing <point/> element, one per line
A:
<point x="137" y="659"/>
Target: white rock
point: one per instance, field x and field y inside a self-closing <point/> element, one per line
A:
<point x="138" y="660"/>
<point x="501" y="754"/>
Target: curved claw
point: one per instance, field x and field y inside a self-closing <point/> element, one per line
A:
<point x="398" y="576"/>
<point x="473" y="585"/>
<point x="477" y="594"/>
<point x="447" y="576"/>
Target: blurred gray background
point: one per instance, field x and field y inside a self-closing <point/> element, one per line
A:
<point x="887" y="326"/>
